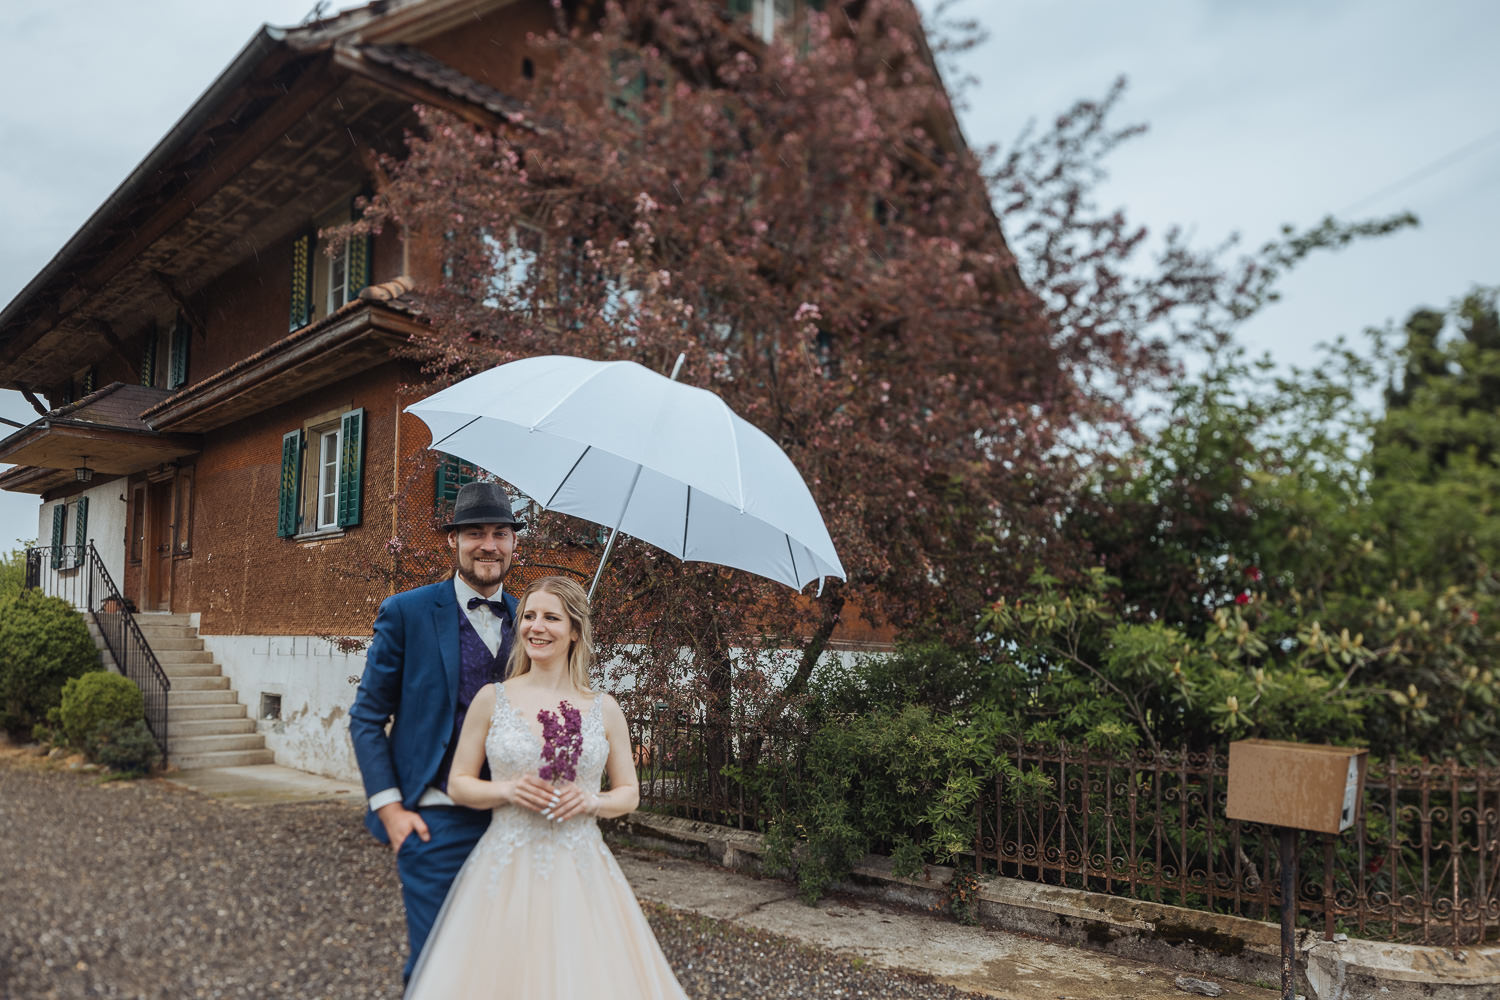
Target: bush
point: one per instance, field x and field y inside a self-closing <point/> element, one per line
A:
<point x="125" y="747"/>
<point x="43" y="642"/>
<point x="96" y="698"/>
<point x="903" y="782"/>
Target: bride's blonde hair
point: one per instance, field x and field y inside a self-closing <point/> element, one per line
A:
<point x="576" y="606"/>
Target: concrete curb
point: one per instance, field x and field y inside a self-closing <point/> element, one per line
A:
<point x="1233" y="947"/>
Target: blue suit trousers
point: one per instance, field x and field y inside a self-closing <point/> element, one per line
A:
<point x="428" y="869"/>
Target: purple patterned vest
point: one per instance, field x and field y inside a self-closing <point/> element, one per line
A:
<point x="476" y="668"/>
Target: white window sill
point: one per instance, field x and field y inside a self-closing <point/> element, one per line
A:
<point x="322" y="534"/>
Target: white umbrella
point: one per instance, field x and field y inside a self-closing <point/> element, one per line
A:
<point x="620" y="445"/>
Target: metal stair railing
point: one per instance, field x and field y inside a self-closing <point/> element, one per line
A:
<point x="133" y="654"/>
<point x="77" y="574"/>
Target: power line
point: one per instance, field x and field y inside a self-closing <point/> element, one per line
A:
<point x="1424" y="172"/>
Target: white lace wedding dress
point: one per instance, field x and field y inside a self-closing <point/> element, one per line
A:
<point x="541" y="909"/>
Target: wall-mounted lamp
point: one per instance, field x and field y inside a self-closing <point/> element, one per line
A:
<point x="83" y="473"/>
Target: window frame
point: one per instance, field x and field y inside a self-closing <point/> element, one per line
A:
<point x="323" y="491"/>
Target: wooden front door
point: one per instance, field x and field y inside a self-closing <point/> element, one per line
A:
<point x="158" y="561"/>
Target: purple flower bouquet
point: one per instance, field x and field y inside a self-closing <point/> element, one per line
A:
<point x="562" y="742"/>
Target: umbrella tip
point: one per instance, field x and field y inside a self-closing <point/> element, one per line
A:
<point x="678" y="366"/>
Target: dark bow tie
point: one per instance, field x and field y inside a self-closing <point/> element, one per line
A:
<point x="498" y="607"/>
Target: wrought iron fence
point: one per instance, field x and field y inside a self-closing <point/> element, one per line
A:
<point x="1422" y="863"/>
<point x="731" y="776"/>
<point x="77" y="574"/>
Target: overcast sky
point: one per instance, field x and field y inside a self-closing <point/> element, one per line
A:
<point x="1260" y="113"/>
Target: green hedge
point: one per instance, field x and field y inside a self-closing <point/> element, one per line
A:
<point x="43" y="643"/>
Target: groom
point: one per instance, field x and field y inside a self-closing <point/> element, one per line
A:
<point x="434" y="648"/>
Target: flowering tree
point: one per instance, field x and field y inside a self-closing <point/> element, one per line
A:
<point x="805" y="224"/>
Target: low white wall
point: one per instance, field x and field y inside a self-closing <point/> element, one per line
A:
<point x="312" y="678"/>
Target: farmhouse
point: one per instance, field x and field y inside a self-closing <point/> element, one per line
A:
<point x="220" y="435"/>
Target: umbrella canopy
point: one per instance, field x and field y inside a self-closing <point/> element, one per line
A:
<point x="620" y="445"/>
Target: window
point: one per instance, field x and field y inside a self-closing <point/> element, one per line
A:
<point x="323" y="283"/>
<point x="511" y="261"/>
<point x="331" y="497"/>
<point x="767" y="17"/>
<point x="328" y="444"/>
<point x="338" y="279"/>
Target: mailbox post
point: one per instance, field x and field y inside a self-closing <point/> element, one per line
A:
<point x="1294" y="786"/>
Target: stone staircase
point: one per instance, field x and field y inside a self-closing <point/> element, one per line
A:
<point x="206" y="724"/>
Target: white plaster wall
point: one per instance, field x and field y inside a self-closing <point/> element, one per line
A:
<point x="312" y="678"/>
<point x="105" y="528"/>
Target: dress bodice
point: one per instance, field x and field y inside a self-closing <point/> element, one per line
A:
<point x="514" y="748"/>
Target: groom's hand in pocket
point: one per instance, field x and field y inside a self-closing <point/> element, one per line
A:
<point x="400" y="823"/>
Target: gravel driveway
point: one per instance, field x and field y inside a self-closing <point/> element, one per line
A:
<point x="145" y="889"/>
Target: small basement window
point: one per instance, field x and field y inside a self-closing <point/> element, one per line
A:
<point x="270" y="706"/>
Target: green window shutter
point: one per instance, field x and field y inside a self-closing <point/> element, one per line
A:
<point x="302" y="275"/>
<point x="81" y="531"/>
<point x="181" y="337"/>
<point x="351" y="467"/>
<point x="739" y="6"/>
<point x="90" y="380"/>
<point x="357" y="269"/>
<point x="59" y="525"/>
<point x="290" y="505"/>
<point x="148" y="359"/>
<point x="452" y="472"/>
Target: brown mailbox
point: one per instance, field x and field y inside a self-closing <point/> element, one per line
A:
<point x="1304" y="786"/>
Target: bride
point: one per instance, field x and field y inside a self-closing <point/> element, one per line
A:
<point x="540" y="909"/>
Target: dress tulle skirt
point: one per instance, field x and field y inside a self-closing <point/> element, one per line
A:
<point x="542" y="912"/>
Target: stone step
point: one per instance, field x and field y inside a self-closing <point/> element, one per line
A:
<point x="221" y="758"/>
<point x="184" y="683"/>
<point x="178" y="745"/>
<point x="153" y="635"/>
<point x="178" y="727"/>
<point x="144" y="618"/>
<point x="204" y="712"/>
<point x="183" y="642"/>
<point x="166" y="656"/>
<point x="183" y="699"/>
<point x="209" y="669"/>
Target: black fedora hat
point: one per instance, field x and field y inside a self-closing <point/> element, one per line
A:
<point x="483" y="503"/>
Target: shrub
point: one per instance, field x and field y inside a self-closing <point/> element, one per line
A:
<point x="94" y="699"/>
<point x="43" y="642"/>
<point x="898" y="781"/>
<point x="125" y="747"/>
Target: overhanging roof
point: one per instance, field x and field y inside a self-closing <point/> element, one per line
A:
<point x="104" y="431"/>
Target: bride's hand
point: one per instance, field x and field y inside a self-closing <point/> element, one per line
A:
<point x="531" y="792"/>
<point x="571" y="801"/>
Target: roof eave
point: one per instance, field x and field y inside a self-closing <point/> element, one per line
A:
<point x="261" y="46"/>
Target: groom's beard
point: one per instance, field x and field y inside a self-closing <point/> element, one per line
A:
<point x="483" y="575"/>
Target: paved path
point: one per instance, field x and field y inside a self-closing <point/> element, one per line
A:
<point x="987" y="962"/>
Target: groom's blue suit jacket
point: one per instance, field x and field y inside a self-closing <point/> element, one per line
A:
<point x="411" y="674"/>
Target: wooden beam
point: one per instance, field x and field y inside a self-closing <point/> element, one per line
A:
<point x="36" y="404"/>
<point x="106" y="331"/>
<point x="180" y="301"/>
<point x="13" y="423"/>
